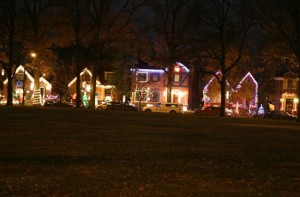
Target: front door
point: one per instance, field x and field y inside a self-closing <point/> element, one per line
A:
<point x="175" y="98"/>
<point x="289" y="105"/>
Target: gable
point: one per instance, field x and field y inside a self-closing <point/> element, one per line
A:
<point x="85" y="71"/>
<point x="290" y="74"/>
<point x="21" y="69"/>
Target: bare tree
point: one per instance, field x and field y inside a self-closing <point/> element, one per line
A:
<point x="112" y="38"/>
<point x="281" y="19"/>
<point x="222" y="29"/>
<point x="74" y="18"/>
<point x="38" y="18"/>
<point x="11" y="41"/>
<point x="170" y="41"/>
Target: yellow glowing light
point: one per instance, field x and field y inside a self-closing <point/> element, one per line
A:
<point x="177" y="69"/>
<point x="88" y="88"/>
<point x="33" y="55"/>
<point x="31" y="86"/>
<point x="227" y="95"/>
<point x="181" y="94"/>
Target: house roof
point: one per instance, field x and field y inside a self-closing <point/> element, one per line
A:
<point x="86" y="70"/>
<point x="144" y="65"/>
<point x="248" y="75"/>
<point x="283" y="71"/>
<point x="29" y="76"/>
<point x="141" y="65"/>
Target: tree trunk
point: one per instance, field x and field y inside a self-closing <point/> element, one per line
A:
<point x="192" y="87"/>
<point x="223" y="92"/>
<point x="94" y="71"/>
<point x="9" y="101"/>
<point x="78" y="92"/>
<point x="170" y="84"/>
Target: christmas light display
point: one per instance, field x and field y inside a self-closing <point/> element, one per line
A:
<point x="248" y="75"/>
<point x="254" y="81"/>
<point x="148" y="70"/>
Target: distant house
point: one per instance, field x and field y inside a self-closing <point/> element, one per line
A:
<point x="245" y="94"/>
<point x="243" y="97"/>
<point x="212" y="91"/>
<point x="149" y="84"/>
<point x="102" y="91"/>
<point x="24" y="82"/>
<point x="285" y="97"/>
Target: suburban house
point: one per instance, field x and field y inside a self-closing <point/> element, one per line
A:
<point x="212" y="91"/>
<point x="149" y="84"/>
<point x="103" y="92"/>
<point x="242" y="98"/>
<point x="285" y="97"/>
<point x="23" y="85"/>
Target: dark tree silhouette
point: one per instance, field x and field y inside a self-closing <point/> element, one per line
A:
<point x="222" y="29"/>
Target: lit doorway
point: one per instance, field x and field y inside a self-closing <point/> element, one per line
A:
<point x="289" y="105"/>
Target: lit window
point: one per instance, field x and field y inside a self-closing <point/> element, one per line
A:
<point x="141" y="77"/>
<point x="108" y="76"/>
<point x="2" y="72"/>
<point x="177" y="78"/>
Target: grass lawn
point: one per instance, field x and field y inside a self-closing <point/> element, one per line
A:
<point x="69" y="152"/>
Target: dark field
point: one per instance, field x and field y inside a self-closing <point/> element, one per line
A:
<point x="68" y="152"/>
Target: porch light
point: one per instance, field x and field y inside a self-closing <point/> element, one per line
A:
<point x="33" y="55"/>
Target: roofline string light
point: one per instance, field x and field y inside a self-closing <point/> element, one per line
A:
<point x="238" y="86"/>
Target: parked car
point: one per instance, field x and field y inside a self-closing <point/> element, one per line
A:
<point x="212" y="111"/>
<point x="279" y="115"/>
<point x="57" y="103"/>
<point x="163" y="108"/>
<point x="116" y="106"/>
<point x="61" y="103"/>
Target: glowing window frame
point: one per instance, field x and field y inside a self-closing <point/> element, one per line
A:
<point x="177" y="78"/>
<point x="139" y="72"/>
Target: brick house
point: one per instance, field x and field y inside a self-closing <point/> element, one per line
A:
<point x="285" y="97"/>
<point x="149" y="84"/>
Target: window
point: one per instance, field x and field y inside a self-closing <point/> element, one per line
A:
<point x="290" y="83"/>
<point x="108" y="76"/>
<point x="176" y="78"/>
<point x="141" y="77"/>
<point x="154" y="95"/>
<point x="155" y="77"/>
<point x="140" y="96"/>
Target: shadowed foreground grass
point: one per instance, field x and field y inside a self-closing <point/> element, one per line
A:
<point x="68" y="152"/>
